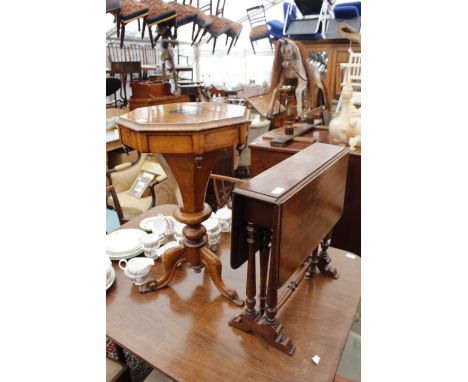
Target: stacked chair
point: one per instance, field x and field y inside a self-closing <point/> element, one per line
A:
<point x="278" y="28"/>
<point x="203" y="19"/>
<point x="186" y="14"/>
<point x="130" y="10"/>
<point x="219" y="25"/>
<point x="259" y="27"/>
<point x="160" y="13"/>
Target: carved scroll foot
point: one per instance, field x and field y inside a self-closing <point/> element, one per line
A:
<point x="214" y="267"/>
<point x="170" y="260"/>
<point x="271" y="334"/>
<point x="324" y="261"/>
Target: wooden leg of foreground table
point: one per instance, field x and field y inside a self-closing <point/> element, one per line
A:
<point x="214" y="267"/>
<point x="170" y="260"/>
<point x="192" y="172"/>
<point x="324" y="260"/>
<point x="253" y="321"/>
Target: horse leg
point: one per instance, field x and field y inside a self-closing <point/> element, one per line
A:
<point x="301" y="86"/>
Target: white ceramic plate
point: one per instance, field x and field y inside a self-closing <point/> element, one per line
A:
<point x="123" y="241"/>
<point x="125" y="255"/>
<point x="111" y="280"/>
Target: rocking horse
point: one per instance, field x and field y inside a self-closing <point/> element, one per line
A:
<point x="290" y="65"/>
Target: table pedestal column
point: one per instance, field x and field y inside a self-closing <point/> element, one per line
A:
<point x="192" y="172"/>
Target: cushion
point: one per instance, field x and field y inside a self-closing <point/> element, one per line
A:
<point x="184" y="14"/>
<point x="130" y="9"/>
<point x="235" y="30"/>
<point x="258" y="32"/>
<point x="131" y="206"/>
<point x="345" y="12"/>
<point x="158" y="11"/>
<point x="113" y="368"/>
<point x="219" y="26"/>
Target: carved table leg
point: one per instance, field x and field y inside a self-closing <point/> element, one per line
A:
<point x="324" y="260"/>
<point x="214" y="266"/>
<point x="170" y="260"/>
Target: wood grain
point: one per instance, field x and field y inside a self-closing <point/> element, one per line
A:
<point x="347" y="233"/>
<point x="183" y="330"/>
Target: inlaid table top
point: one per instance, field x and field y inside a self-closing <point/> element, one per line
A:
<point x="183" y="330"/>
<point x="184" y="116"/>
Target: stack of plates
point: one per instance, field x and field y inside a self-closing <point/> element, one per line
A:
<point x="124" y="243"/>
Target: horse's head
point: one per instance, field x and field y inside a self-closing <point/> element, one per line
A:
<point x="288" y="51"/>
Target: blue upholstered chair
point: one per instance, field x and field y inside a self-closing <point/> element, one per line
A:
<point x="278" y="28"/>
<point x="347" y="10"/>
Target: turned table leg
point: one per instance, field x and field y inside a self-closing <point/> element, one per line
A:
<point x="324" y="260"/>
<point x="264" y="257"/>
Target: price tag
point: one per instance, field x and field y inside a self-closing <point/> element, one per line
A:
<point x="316" y="359"/>
<point x="350" y="256"/>
<point x="278" y="191"/>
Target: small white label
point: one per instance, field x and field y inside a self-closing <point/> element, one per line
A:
<point x="316" y="359"/>
<point x="350" y="256"/>
<point x="277" y="191"/>
<point x="141" y="120"/>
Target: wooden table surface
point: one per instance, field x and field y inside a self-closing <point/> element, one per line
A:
<point x="183" y="330"/>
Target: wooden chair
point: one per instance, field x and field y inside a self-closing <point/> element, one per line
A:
<point x="223" y="186"/>
<point x="159" y="13"/>
<point x="110" y="192"/>
<point x="203" y="19"/>
<point x="234" y="33"/>
<point x="130" y="10"/>
<point x="150" y="61"/>
<point x="186" y="14"/>
<point x="219" y="25"/>
<point x="257" y="20"/>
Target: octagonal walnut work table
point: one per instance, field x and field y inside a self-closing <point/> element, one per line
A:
<point x="189" y="135"/>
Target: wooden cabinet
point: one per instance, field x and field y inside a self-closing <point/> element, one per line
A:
<point x="337" y="53"/>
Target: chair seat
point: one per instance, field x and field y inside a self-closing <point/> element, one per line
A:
<point x="159" y="11"/>
<point x="258" y="32"/>
<point x="219" y="26"/>
<point x="113" y="368"/>
<point x="131" y="9"/>
<point x="235" y="30"/>
<point x="185" y="14"/>
<point x="131" y="206"/>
